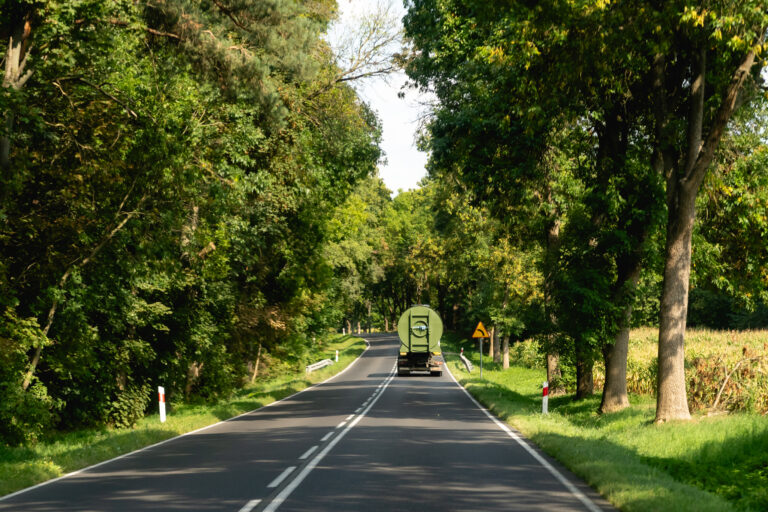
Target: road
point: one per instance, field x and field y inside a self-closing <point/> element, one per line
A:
<point x="365" y="440"/>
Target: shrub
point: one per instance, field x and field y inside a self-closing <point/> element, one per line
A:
<point x="24" y="414"/>
<point x="129" y="405"/>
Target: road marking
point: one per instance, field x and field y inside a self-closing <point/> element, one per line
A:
<point x="293" y="484"/>
<point x="308" y="453"/>
<point x="591" y="506"/>
<point x="277" y="481"/>
<point x="326" y="436"/>
<point x="134" y="452"/>
<point x="358" y="410"/>
<point x="250" y="506"/>
<point x="341" y="424"/>
<point x="349" y="417"/>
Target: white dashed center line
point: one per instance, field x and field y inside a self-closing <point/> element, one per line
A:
<point x="308" y="453"/>
<point x="277" y="481"/>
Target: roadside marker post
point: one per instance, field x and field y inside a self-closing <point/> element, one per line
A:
<point x="337" y="356"/>
<point x="161" y="398"/>
<point x="545" y="398"/>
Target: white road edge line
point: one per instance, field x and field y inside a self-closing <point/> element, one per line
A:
<point x="81" y="470"/>
<point x="326" y="436"/>
<point x="250" y="506"/>
<point x="277" y="481"/>
<point x="591" y="506"/>
<point x="288" y="489"/>
<point x="308" y="452"/>
<point x="341" y="424"/>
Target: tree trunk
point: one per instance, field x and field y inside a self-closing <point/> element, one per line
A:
<point x="490" y="341"/>
<point x="497" y="347"/>
<point x="14" y="77"/>
<point x="5" y="149"/>
<point x="256" y="366"/>
<point x="358" y="327"/>
<point x="682" y="188"/>
<point x="615" y="390"/>
<point x="671" y="399"/>
<point x="386" y="324"/>
<point x="554" y="374"/>
<point x="349" y="327"/>
<point x="585" y="381"/>
<point x="193" y="373"/>
<point x="615" y="396"/>
<point x="505" y="351"/>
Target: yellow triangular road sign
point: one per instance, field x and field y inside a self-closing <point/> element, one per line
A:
<point x="480" y="331"/>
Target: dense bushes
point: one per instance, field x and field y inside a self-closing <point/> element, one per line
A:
<point x="24" y="415"/>
<point x="165" y="201"/>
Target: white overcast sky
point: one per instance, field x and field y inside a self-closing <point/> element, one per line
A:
<point x="404" y="165"/>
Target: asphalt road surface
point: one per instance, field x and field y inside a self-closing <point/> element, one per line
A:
<point x="364" y="441"/>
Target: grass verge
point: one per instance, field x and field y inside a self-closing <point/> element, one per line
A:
<point x="23" y="466"/>
<point x="717" y="463"/>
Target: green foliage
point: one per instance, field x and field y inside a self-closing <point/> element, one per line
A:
<point x="128" y="406"/>
<point x="173" y="171"/>
<point x="24" y="415"/>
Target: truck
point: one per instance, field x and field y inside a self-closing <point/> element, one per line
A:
<point x="420" y="330"/>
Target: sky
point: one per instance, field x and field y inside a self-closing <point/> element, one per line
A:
<point x="404" y="165"/>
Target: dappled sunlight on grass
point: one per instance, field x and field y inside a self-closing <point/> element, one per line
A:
<point x="709" y="463"/>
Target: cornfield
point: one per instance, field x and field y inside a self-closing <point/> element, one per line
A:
<point x="725" y="370"/>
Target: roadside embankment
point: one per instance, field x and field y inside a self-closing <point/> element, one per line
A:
<point x="711" y="463"/>
<point x="63" y="453"/>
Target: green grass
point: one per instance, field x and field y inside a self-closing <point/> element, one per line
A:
<point x="710" y="463"/>
<point x="59" y="454"/>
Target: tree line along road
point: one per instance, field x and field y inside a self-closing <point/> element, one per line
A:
<point x="363" y="440"/>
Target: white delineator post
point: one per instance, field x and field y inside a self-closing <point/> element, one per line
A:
<point x="545" y="398"/>
<point x="337" y="356"/>
<point x="161" y="398"/>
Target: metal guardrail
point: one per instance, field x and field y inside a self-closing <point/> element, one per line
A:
<point x="467" y="363"/>
<point x="320" y="364"/>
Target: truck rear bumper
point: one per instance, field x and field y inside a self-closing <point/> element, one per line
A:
<point x="419" y="362"/>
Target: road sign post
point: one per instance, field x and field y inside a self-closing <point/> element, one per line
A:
<point x="481" y="332"/>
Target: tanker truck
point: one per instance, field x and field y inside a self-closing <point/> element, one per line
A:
<point x="420" y="329"/>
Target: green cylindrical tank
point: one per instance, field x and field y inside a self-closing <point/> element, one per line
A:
<point x="420" y="330"/>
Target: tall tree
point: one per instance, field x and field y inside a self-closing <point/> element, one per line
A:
<point x="699" y="74"/>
